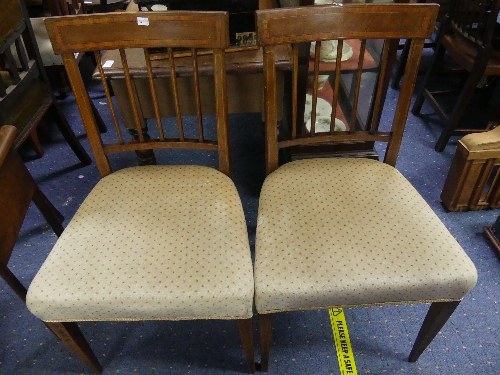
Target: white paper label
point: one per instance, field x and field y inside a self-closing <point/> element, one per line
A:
<point x="143" y="21"/>
<point x="76" y="54"/>
<point x="108" y="63"/>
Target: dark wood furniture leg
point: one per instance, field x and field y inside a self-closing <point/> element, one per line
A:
<point x="68" y="333"/>
<point x="246" y="334"/>
<point x="144" y="157"/>
<point x="49" y="212"/>
<point x="490" y="234"/>
<point x="13" y="282"/>
<point x="72" y="337"/>
<point x="402" y="65"/>
<point x="101" y="125"/>
<point x="266" y="335"/>
<point x="436" y="61"/>
<point x="460" y="105"/>
<point x="436" y="317"/>
<point x="35" y="142"/>
<point x="68" y="133"/>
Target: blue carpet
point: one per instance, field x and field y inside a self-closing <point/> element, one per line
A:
<point x="382" y="337"/>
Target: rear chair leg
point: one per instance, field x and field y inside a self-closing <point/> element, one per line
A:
<point x="266" y="334"/>
<point x="73" y="338"/>
<point x="436" y="317"/>
<point x="246" y="335"/>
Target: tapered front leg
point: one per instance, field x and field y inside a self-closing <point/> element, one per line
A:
<point x="266" y="335"/>
<point x="246" y="335"/>
<point x="438" y="314"/>
<point x="73" y="338"/>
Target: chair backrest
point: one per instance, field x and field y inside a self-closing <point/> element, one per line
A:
<point x="474" y="20"/>
<point x="161" y="36"/>
<point x="355" y="22"/>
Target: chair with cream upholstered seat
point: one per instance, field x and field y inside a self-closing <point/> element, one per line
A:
<point x="334" y="232"/>
<point x="153" y="242"/>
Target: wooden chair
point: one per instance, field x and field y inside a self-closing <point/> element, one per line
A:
<point x="400" y="67"/>
<point x="334" y="232"/>
<point x="25" y="95"/>
<point x="466" y="35"/>
<point x="152" y="242"/>
<point x="473" y="180"/>
<point x="52" y="63"/>
<point x="17" y="191"/>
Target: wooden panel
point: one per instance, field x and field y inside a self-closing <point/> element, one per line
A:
<point x="466" y="186"/>
<point x="347" y="22"/>
<point x="123" y="30"/>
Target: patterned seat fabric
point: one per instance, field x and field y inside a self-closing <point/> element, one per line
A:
<point x="156" y="242"/>
<point x="329" y="234"/>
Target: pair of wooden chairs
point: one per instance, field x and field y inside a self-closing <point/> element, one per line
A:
<point x="170" y="242"/>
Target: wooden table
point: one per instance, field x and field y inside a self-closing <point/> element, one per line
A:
<point x="244" y="81"/>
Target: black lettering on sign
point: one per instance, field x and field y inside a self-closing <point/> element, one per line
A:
<point x="340" y="329"/>
<point x="343" y="345"/>
<point x="348" y="365"/>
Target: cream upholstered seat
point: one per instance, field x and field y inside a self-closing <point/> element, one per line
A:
<point x="349" y="231"/>
<point x="129" y="256"/>
<point x="150" y="242"/>
<point x="343" y="232"/>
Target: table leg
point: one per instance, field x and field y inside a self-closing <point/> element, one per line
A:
<point x="144" y="157"/>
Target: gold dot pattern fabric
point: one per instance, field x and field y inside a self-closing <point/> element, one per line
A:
<point x="339" y="232"/>
<point x="155" y="242"/>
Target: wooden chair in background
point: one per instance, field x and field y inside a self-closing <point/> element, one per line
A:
<point x="336" y="232"/>
<point x="25" y="94"/>
<point x="17" y="191"/>
<point x="400" y="67"/>
<point x="167" y="242"/>
<point x="466" y="35"/>
<point x="52" y="63"/>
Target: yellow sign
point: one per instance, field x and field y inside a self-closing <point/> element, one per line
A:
<point x="342" y="342"/>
